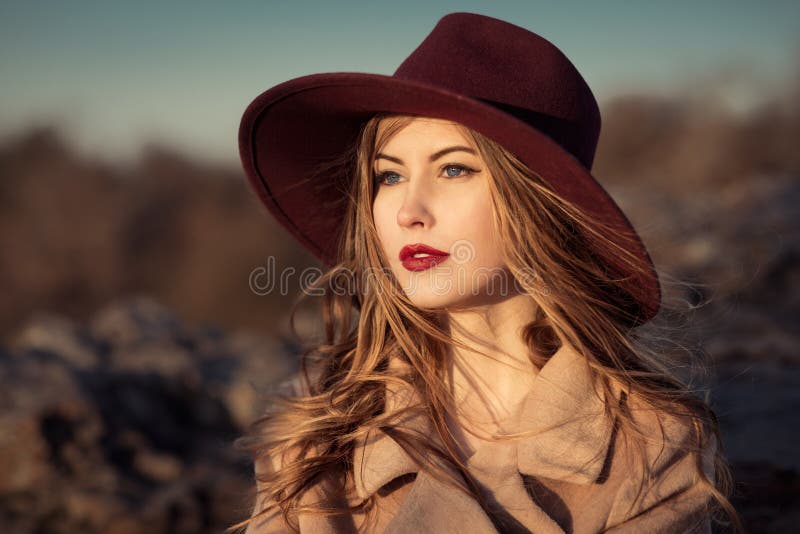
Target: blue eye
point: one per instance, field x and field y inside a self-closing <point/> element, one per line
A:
<point x="381" y="177"/>
<point x="461" y="171"/>
<point x="458" y="168"/>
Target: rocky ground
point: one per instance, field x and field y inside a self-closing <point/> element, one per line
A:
<point x="126" y="424"/>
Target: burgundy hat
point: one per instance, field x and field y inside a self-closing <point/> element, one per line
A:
<point x="496" y="78"/>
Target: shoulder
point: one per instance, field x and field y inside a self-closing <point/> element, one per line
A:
<point x="292" y="387"/>
<point x="670" y="434"/>
<point x="662" y="469"/>
<point x="269" y="461"/>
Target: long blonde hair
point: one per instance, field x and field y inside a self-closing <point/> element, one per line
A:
<point x="345" y="376"/>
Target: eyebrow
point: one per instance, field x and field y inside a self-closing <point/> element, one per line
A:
<point x="433" y="157"/>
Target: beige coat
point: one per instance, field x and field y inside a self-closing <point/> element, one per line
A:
<point x="576" y="475"/>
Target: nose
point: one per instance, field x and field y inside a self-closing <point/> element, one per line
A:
<point x="415" y="209"/>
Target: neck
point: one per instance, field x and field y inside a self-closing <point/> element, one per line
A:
<point x="493" y="375"/>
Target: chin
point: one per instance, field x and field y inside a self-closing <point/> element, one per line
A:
<point x="432" y="301"/>
<point x="432" y="298"/>
<point x="442" y="290"/>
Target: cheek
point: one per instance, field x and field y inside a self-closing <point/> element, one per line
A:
<point x="478" y="218"/>
<point x="382" y="217"/>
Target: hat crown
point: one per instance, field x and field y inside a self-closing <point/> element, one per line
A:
<point x="512" y="69"/>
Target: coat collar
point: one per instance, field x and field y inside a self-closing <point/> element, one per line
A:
<point x="571" y="442"/>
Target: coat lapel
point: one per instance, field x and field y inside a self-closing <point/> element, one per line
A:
<point x="572" y="432"/>
<point x="570" y="440"/>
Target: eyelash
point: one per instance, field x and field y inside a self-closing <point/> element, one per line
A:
<point x="380" y="177"/>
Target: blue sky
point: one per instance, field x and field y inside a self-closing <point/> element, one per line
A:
<point x="116" y="74"/>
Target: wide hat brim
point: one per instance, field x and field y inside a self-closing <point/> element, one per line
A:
<point x="290" y="129"/>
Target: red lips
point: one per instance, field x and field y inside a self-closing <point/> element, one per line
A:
<point x="435" y="257"/>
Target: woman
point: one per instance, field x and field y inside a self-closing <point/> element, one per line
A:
<point x="484" y="367"/>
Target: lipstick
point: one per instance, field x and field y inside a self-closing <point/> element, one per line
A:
<point x="428" y="257"/>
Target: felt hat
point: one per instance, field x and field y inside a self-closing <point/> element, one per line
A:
<point x="499" y="79"/>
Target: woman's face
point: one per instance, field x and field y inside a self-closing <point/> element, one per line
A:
<point x="432" y="190"/>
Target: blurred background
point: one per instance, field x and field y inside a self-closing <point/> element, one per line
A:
<point x="133" y="348"/>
